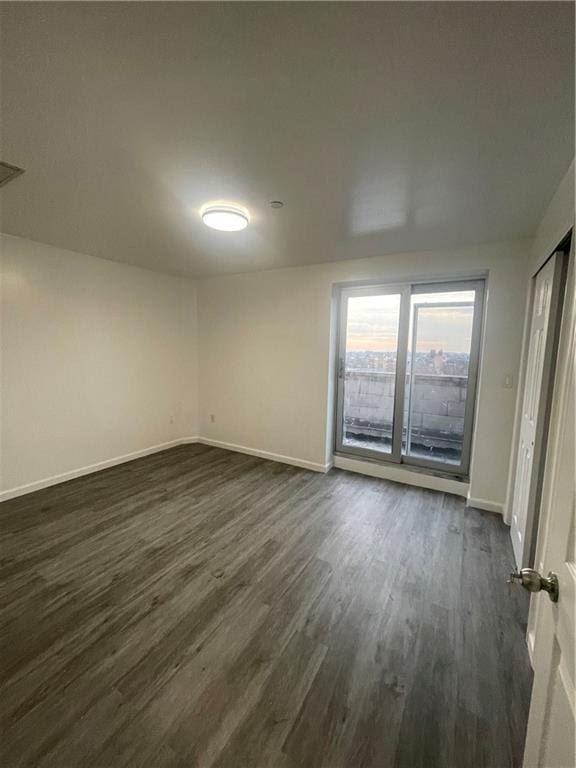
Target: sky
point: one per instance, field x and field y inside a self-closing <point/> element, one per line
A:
<point x="373" y="323"/>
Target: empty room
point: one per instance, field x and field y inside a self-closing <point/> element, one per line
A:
<point x="287" y="385"/>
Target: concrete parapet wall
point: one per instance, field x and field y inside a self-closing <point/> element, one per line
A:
<point x="438" y="404"/>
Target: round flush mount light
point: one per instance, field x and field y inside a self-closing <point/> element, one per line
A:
<point x="225" y="217"/>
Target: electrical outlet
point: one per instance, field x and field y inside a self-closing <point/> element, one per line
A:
<point x="212" y="418"/>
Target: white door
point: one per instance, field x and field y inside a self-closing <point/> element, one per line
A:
<point x="532" y="433"/>
<point x="550" y="741"/>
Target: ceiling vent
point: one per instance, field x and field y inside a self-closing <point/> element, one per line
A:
<point x="8" y="172"/>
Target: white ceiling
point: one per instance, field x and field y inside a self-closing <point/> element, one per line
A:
<point x="384" y="127"/>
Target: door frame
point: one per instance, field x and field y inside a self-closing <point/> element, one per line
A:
<point x="407" y="289"/>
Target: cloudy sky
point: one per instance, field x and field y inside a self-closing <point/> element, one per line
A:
<point x="373" y="323"/>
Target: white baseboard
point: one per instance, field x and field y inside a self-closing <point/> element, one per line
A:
<point x="402" y="475"/>
<point x="267" y="455"/>
<point x="397" y="474"/>
<point x="46" y="482"/>
<point x="486" y="505"/>
<point x="20" y="490"/>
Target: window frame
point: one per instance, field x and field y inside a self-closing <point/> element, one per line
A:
<point x="407" y="289"/>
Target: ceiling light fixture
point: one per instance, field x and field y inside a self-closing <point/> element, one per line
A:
<point x="225" y="217"/>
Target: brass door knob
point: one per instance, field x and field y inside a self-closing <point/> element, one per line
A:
<point x="533" y="582"/>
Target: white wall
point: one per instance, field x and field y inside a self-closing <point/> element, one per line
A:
<point x="556" y="222"/>
<point x="98" y="360"/>
<point x="265" y="347"/>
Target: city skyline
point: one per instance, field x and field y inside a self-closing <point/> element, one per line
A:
<point x="434" y="362"/>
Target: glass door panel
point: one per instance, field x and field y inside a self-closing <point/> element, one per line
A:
<point x="438" y="364"/>
<point x="370" y="358"/>
<point x="408" y="361"/>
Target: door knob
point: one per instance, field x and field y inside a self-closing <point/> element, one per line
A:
<point x="533" y="582"/>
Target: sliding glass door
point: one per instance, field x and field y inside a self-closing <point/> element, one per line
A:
<point x="408" y="361"/>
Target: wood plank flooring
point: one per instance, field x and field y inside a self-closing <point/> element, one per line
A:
<point x="203" y="608"/>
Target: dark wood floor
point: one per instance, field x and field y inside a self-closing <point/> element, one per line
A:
<point x="205" y="608"/>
